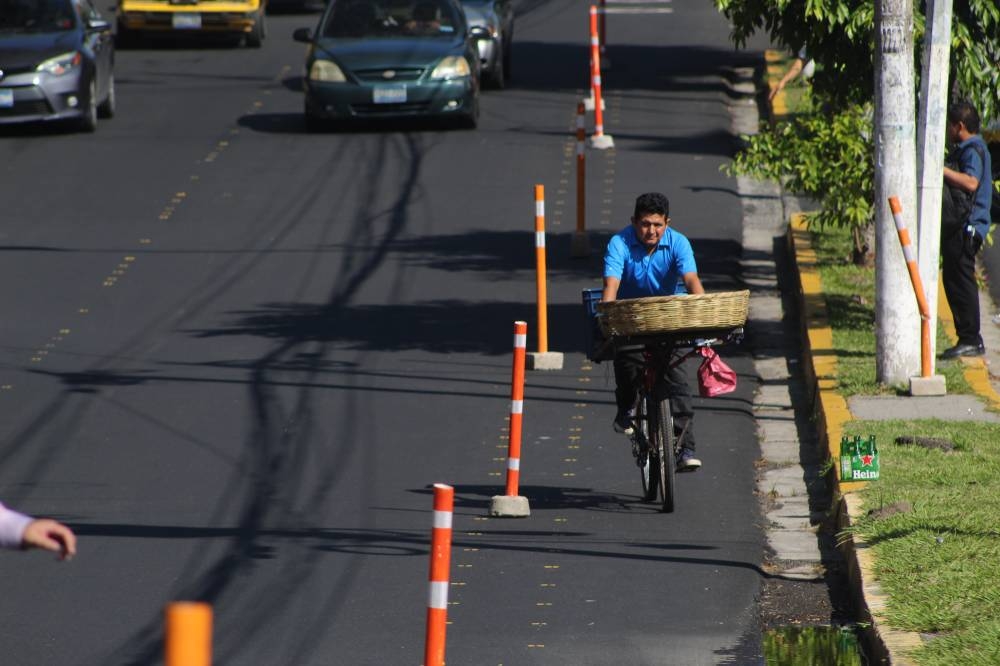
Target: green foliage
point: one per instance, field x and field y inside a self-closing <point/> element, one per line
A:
<point x="839" y="35"/>
<point x="826" y="156"/>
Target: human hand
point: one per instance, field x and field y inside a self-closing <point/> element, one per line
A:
<point x="50" y="535"/>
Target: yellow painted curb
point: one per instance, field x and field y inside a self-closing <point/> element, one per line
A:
<point x="974" y="368"/>
<point x="831" y="409"/>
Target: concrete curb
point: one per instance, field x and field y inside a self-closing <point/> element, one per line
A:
<point x="883" y="645"/>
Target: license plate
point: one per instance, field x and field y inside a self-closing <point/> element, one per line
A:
<point x="385" y="95"/>
<point x="6" y="99"/>
<point x="187" y="21"/>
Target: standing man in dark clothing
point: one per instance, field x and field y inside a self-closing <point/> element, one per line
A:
<point x="959" y="248"/>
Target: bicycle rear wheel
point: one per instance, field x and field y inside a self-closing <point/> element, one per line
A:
<point x="661" y="426"/>
<point x="646" y="455"/>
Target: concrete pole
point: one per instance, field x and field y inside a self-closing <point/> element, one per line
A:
<point x="930" y="150"/>
<point x="897" y="322"/>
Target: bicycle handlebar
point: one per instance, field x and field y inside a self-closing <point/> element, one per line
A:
<point x="680" y="340"/>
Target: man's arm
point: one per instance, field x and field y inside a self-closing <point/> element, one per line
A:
<point x="962" y="180"/>
<point x="610" y="289"/>
<point x="693" y="283"/>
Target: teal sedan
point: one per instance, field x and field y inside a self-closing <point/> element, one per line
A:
<point x="390" y="59"/>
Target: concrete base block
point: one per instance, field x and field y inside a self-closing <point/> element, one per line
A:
<point x="588" y="104"/>
<point x="581" y="245"/>
<point x="509" y="506"/>
<point x="602" y="142"/>
<point x="934" y="385"/>
<point x="544" y="360"/>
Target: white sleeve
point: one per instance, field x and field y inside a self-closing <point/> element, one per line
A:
<point x="12" y="526"/>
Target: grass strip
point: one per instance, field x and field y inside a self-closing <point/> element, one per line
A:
<point x="850" y="300"/>
<point x="938" y="560"/>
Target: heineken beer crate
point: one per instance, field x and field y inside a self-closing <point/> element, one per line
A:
<point x="859" y="459"/>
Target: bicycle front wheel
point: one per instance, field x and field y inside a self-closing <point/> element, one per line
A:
<point x="661" y="426"/>
<point x="646" y="455"/>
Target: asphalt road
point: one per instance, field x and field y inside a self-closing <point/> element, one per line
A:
<point x="234" y="357"/>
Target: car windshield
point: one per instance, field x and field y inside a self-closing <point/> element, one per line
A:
<point x="390" y="18"/>
<point x="35" y="15"/>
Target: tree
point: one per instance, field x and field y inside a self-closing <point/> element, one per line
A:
<point x="827" y="153"/>
<point x="838" y="34"/>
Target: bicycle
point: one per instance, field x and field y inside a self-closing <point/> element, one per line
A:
<point x="654" y="445"/>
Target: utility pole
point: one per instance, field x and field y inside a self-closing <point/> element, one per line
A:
<point x="930" y="149"/>
<point x="897" y="322"/>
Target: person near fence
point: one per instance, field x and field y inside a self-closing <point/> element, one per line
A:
<point x="20" y="531"/>
<point x="968" y="193"/>
<point x="649" y="258"/>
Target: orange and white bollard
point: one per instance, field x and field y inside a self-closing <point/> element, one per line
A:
<point x="511" y="505"/>
<point x="543" y="359"/>
<point x="599" y="140"/>
<point x="925" y="384"/>
<point x="602" y="33"/>
<point x="437" y="600"/>
<point x="581" y="244"/>
<point x="188" y="639"/>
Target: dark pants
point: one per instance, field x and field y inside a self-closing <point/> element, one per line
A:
<point x="958" y="268"/>
<point x="628" y="378"/>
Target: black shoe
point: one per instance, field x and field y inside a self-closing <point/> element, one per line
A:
<point x="624" y="424"/>
<point x="962" y="349"/>
<point x="686" y="462"/>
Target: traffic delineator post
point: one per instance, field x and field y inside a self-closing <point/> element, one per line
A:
<point x="188" y="640"/>
<point x="599" y="140"/>
<point x="602" y="34"/>
<point x="543" y="359"/>
<point x="581" y="243"/>
<point x="512" y="505"/>
<point x="926" y="383"/>
<point x="440" y="570"/>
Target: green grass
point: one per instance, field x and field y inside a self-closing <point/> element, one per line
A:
<point x="850" y="302"/>
<point x="940" y="563"/>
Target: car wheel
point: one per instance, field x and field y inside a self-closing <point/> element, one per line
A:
<point x="88" y="122"/>
<point x="471" y="120"/>
<point x="498" y="77"/>
<point x="255" y="38"/>
<point x="507" y="68"/>
<point x="124" y="38"/>
<point x="108" y="106"/>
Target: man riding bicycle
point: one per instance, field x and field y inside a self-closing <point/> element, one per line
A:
<point x="648" y="258"/>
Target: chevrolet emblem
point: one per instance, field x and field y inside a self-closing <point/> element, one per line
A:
<point x="389" y="74"/>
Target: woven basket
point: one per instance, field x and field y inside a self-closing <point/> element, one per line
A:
<point x="668" y="314"/>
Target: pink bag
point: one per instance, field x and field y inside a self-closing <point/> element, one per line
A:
<point x="714" y="376"/>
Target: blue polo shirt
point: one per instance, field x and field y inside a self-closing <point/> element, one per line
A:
<point x="980" y="169"/>
<point x="642" y="274"/>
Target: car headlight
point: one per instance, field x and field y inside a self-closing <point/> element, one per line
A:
<point x="325" y="70"/>
<point x="61" y="64"/>
<point x="452" y="67"/>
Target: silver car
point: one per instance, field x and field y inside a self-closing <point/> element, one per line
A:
<point x="56" y="62"/>
<point x="491" y="23"/>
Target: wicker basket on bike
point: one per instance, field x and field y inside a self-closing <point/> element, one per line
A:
<point x="655" y="315"/>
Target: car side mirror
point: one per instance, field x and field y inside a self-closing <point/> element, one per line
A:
<point x="303" y="35"/>
<point x="98" y="25"/>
